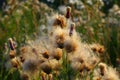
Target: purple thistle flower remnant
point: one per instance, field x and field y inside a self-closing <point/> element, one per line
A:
<point x="68" y="14"/>
<point x="11" y="44"/>
<point x="71" y="29"/>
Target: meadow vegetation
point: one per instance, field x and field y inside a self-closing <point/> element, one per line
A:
<point x="74" y="41"/>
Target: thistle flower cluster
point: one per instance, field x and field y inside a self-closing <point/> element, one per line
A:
<point x="44" y="56"/>
<point x="105" y="72"/>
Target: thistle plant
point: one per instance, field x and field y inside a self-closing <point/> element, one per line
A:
<point x="61" y="52"/>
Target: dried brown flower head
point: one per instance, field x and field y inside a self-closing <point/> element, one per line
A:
<point x="94" y="49"/>
<point x="42" y="60"/>
<point x="79" y="59"/>
<point x="70" y="46"/>
<point x="60" y="40"/>
<point x="12" y="53"/>
<point x="82" y="67"/>
<point x="24" y="76"/>
<point x="101" y="49"/>
<point x="88" y="67"/>
<point x="60" y="21"/>
<point x="97" y="48"/>
<point x="57" y="54"/>
<point x="30" y="65"/>
<point x="45" y="54"/>
<point x="22" y="59"/>
<point x="46" y="67"/>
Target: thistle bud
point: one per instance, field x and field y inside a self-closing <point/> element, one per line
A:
<point x="15" y="62"/>
<point x="102" y="67"/>
<point x="11" y="43"/>
<point x="50" y="77"/>
<point x="68" y="14"/>
<point x="71" y="29"/>
<point x="43" y="75"/>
